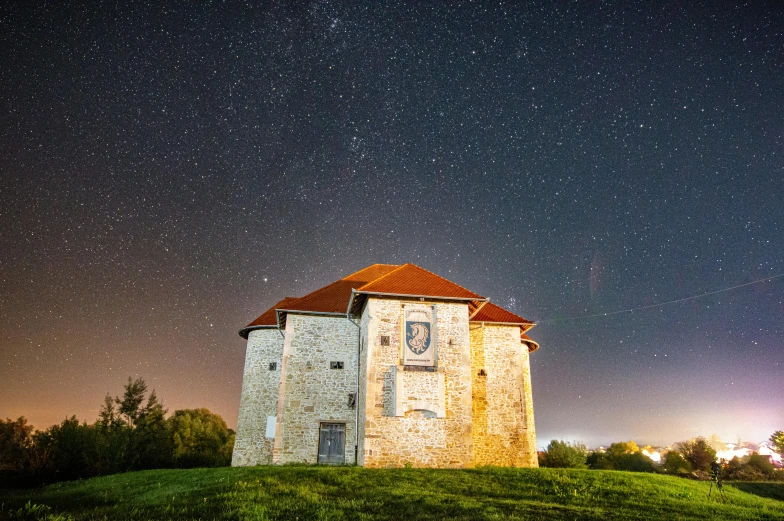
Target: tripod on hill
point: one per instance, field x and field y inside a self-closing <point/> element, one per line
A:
<point x="716" y="468"/>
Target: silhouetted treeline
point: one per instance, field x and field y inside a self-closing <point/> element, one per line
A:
<point x="131" y="433"/>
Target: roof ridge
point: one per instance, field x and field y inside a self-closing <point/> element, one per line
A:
<point x="384" y="275"/>
<point x="491" y="305"/>
<point x="343" y="279"/>
<point x="447" y="280"/>
<point x="367" y="267"/>
<point x="318" y="289"/>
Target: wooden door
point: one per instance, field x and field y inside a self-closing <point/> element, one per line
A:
<point x="332" y="444"/>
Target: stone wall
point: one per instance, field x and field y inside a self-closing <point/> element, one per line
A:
<point x="503" y="428"/>
<point x="311" y="392"/>
<point x="450" y="417"/>
<point x="259" y="398"/>
<point x="419" y="437"/>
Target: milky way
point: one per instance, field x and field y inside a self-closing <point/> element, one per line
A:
<point x="166" y="174"/>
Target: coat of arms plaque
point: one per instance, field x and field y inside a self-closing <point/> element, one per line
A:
<point x="419" y="335"/>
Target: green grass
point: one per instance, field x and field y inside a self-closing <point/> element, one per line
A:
<point x="301" y="492"/>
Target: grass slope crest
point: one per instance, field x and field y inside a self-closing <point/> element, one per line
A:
<point x="311" y="492"/>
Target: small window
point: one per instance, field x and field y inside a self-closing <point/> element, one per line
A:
<point x="336" y="365"/>
<point x="385" y="340"/>
<point x="273" y="366"/>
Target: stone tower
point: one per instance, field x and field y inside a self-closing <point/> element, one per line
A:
<point x="391" y="365"/>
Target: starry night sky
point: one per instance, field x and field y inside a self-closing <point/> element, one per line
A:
<point x="167" y="174"/>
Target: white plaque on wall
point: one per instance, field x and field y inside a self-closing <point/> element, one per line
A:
<point x="271" y="422"/>
<point x="419" y="335"/>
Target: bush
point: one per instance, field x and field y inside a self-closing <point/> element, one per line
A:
<point x="636" y="462"/>
<point x="760" y="464"/>
<point x="675" y="463"/>
<point x="200" y="439"/>
<point x="751" y="468"/>
<point x="600" y="461"/>
<point x="561" y="454"/>
<point x="621" y="456"/>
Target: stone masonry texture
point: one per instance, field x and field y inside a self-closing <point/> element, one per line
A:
<point x="503" y="427"/>
<point x="259" y="398"/>
<point x="312" y="392"/>
<point x="417" y="438"/>
<point x="474" y="408"/>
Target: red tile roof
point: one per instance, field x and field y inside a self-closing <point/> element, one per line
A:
<point x="497" y="315"/>
<point x="411" y="280"/>
<point x="334" y="297"/>
<point x="372" y="272"/>
<point x="267" y="319"/>
<point x="389" y="279"/>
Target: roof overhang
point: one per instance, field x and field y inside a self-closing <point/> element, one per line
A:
<point x="532" y="346"/>
<point x="245" y="331"/>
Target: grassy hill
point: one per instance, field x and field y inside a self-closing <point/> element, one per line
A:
<point x="300" y="492"/>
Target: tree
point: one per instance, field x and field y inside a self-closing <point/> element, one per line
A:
<point x="600" y="461"/>
<point x="15" y="442"/>
<point x="152" y="438"/>
<point x="760" y="464"/>
<point x="624" y="455"/>
<point x="698" y="453"/>
<point x="200" y="439"/>
<point x="715" y="442"/>
<point x="734" y="469"/>
<point x="777" y="439"/>
<point x="130" y="407"/>
<point x="134" y="435"/>
<point x="754" y="467"/>
<point x="66" y="451"/>
<point x="623" y="447"/>
<point x="675" y="463"/>
<point x="561" y="454"/>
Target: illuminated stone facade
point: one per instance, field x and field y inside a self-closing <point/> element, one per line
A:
<point x="473" y="408"/>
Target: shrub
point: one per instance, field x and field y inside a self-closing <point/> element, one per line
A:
<point x="675" y="463"/>
<point x="761" y="464"/>
<point x="623" y="455"/>
<point x="200" y="439"/>
<point x="561" y="454"/>
<point x="636" y="462"/>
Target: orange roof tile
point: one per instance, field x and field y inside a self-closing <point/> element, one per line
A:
<point x="411" y="280"/>
<point x="334" y="297"/>
<point x="390" y="279"/>
<point x="329" y="299"/>
<point x="497" y="315"/>
<point x="266" y="319"/>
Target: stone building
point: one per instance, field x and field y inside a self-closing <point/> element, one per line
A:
<point x="391" y="365"/>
